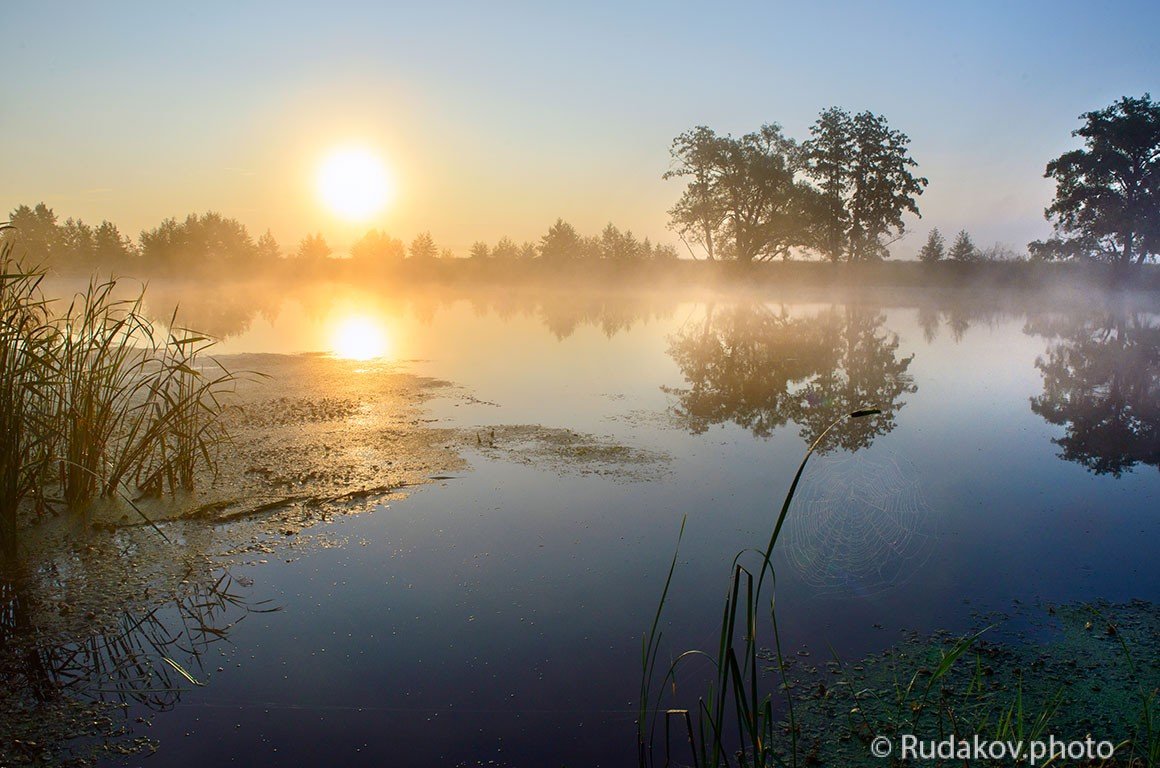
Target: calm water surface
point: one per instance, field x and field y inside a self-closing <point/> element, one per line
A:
<point x="496" y="618"/>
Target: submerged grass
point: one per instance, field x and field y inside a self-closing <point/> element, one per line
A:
<point x="95" y="401"/>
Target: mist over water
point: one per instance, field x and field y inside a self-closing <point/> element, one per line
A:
<point x="416" y="385"/>
<point x="497" y="615"/>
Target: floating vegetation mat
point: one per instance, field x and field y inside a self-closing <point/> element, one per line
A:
<point x="564" y="451"/>
<point x="1069" y="671"/>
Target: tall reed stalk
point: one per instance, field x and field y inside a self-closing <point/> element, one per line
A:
<point x="95" y="400"/>
<point x="24" y="340"/>
<point x="133" y="403"/>
<point x="735" y="698"/>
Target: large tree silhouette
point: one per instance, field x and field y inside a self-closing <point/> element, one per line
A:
<point x="744" y="198"/>
<point x="863" y="169"/>
<point x="1107" y="199"/>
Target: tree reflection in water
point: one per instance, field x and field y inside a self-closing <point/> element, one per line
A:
<point x="1101" y="382"/>
<point x="760" y="368"/>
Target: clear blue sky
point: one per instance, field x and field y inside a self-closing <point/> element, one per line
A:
<point x="498" y="117"/>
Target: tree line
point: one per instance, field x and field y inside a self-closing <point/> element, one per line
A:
<point x="561" y="244"/>
<point x="963" y="250"/>
<point x="211" y="243"/>
<point x="842" y="194"/>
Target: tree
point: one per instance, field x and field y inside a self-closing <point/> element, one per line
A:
<point x="210" y="242"/>
<point x="963" y="249"/>
<point x="700" y="213"/>
<point x="36" y="231"/>
<point x="863" y="169"/>
<point x="1107" y="197"/>
<point x="111" y="248"/>
<point x="164" y="246"/>
<point x="935" y="248"/>
<point x="480" y="251"/>
<point x="610" y="242"/>
<point x="505" y="250"/>
<point x="1000" y="252"/>
<point x="561" y="243"/>
<point x="377" y="248"/>
<point x="615" y="245"/>
<point x="769" y="210"/>
<point x="267" y="249"/>
<point x="744" y="199"/>
<point x="423" y="247"/>
<point x="313" y="248"/>
<point x="223" y="239"/>
<point x="829" y="154"/>
<point x="77" y="245"/>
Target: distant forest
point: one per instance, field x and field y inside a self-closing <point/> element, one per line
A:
<point x="211" y="244"/>
<point x="839" y="196"/>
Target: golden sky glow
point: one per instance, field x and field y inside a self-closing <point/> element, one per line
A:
<point x="488" y="122"/>
<point x="354" y="184"/>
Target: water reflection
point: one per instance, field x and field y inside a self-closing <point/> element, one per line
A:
<point x="1101" y="382"/>
<point x="957" y="316"/>
<point x="221" y="310"/>
<point x="358" y="337"/>
<point x="759" y="367"/>
<point x="228" y="310"/>
<point x="746" y="362"/>
<point x="60" y="688"/>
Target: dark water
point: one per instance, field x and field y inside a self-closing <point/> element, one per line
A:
<point x="496" y="618"/>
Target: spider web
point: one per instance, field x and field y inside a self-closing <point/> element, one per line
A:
<point x="859" y="524"/>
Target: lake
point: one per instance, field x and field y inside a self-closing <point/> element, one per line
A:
<point x="494" y="616"/>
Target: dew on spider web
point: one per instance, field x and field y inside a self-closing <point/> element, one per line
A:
<point x="859" y="524"/>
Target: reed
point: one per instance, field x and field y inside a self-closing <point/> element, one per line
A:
<point x="24" y="340"/>
<point x="95" y="401"/>
<point x="734" y="722"/>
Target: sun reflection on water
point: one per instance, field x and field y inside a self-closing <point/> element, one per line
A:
<point x="359" y="337"/>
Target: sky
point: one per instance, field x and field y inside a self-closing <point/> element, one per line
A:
<point x="497" y="118"/>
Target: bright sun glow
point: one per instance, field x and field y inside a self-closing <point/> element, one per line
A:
<point x="354" y="183"/>
<point x="359" y="338"/>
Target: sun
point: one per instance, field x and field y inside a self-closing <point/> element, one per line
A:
<point x="358" y="338"/>
<point x="353" y="183"/>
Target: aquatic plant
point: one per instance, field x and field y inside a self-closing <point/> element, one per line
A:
<point x="96" y="400"/>
<point x="1081" y="673"/>
<point x="734" y="698"/>
<point x="24" y="337"/>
